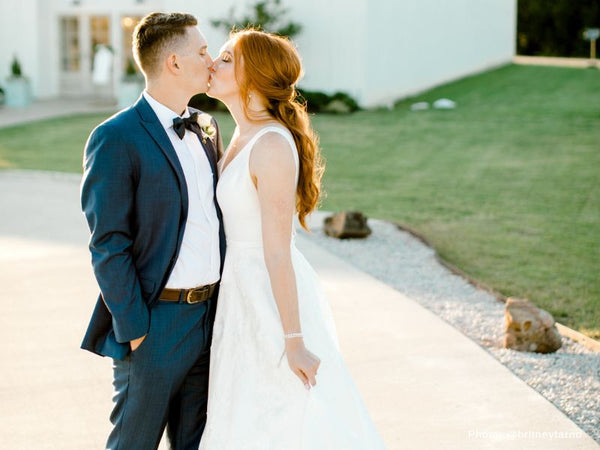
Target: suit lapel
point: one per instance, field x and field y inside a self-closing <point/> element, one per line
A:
<point x="208" y="146"/>
<point x="153" y="126"/>
<point x="209" y="150"/>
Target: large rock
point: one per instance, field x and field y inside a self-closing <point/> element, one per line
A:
<point x="529" y="328"/>
<point x="347" y="224"/>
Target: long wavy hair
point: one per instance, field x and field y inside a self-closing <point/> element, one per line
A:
<point x="270" y="65"/>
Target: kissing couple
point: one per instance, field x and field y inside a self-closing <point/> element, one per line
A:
<point x="217" y="326"/>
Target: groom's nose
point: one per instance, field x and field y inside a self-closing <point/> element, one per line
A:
<point x="209" y="62"/>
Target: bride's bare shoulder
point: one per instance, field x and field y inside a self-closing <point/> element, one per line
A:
<point x="272" y="152"/>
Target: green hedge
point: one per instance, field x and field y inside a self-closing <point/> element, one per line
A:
<point x="338" y="103"/>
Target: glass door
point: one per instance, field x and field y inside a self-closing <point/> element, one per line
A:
<point x="71" y="76"/>
<point x="101" y="57"/>
<point x="86" y="56"/>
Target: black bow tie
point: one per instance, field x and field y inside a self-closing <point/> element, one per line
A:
<point x="191" y="123"/>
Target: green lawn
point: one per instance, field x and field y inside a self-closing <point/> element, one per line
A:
<point x="506" y="187"/>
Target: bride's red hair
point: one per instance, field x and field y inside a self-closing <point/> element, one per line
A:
<point x="270" y="65"/>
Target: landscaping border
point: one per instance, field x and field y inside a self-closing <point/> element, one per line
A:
<point x="565" y="331"/>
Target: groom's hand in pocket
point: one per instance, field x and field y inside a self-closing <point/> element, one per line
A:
<point x="134" y="344"/>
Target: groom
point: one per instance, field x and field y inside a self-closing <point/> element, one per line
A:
<point x="157" y="243"/>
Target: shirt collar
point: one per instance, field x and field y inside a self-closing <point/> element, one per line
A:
<point x="164" y="114"/>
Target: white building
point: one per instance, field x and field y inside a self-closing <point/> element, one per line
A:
<point x="375" y="50"/>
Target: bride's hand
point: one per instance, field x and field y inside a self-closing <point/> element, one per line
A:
<point x="302" y="362"/>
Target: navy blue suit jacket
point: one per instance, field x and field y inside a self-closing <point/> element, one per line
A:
<point x="135" y="200"/>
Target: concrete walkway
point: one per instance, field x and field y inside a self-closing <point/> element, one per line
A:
<point x="48" y="109"/>
<point x="427" y="385"/>
<point x="578" y="63"/>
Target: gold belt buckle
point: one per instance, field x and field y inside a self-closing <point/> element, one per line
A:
<point x="198" y="291"/>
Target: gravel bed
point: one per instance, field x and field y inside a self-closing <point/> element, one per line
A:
<point x="569" y="378"/>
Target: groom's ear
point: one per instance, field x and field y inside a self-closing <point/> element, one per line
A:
<point x="172" y="63"/>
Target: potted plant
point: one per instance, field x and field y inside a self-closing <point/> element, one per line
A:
<point x="131" y="85"/>
<point x="18" y="89"/>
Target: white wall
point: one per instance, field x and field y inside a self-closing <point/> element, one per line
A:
<point x="375" y="50"/>
<point x="48" y="44"/>
<point x="205" y="11"/>
<point x="381" y="50"/>
<point x="19" y="36"/>
<point x="414" y="45"/>
<point x="330" y="44"/>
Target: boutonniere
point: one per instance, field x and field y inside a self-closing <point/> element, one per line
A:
<point x="207" y="127"/>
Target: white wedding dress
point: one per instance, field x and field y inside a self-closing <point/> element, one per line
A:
<point x="255" y="401"/>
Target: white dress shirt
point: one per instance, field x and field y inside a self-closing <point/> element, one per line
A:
<point x="199" y="258"/>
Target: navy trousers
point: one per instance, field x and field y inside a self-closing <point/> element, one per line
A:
<point x="164" y="382"/>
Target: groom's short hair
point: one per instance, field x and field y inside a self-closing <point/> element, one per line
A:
<point x="156" y="33"/>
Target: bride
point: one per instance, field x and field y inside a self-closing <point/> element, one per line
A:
<point x="277" y="379"/>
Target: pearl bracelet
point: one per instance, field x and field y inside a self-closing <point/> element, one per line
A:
<point x="293" y="335"/>
<point x="288" y="336"/>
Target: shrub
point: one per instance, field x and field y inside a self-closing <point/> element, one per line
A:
<point x="130" y="69"/>
<point x="205" y="103"/>
<point x="346" y="99"/>
<point x="315" y="101"/>
<point x="16" y="68"/>
<point x="339" y="102"/>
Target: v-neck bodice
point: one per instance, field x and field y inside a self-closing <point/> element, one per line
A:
<point x="237" y="195"/>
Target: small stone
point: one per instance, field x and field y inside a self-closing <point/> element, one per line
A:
<point x="337" y="107"/>
<point x="347" y="224"/>
<point x="444" y="103"/>
<point x="419" y="106"/>
<point x="529" y="328"/>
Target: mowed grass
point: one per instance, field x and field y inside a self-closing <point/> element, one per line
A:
<point x="506" y="187"/>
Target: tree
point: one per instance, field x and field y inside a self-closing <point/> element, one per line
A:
<point x="267" y="15"/>
<point x="555" y="27"/>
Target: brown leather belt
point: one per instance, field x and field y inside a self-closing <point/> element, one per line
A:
<point x="194" y="295"/>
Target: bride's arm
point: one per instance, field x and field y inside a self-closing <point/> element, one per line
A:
<point x="272" y="167"/>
